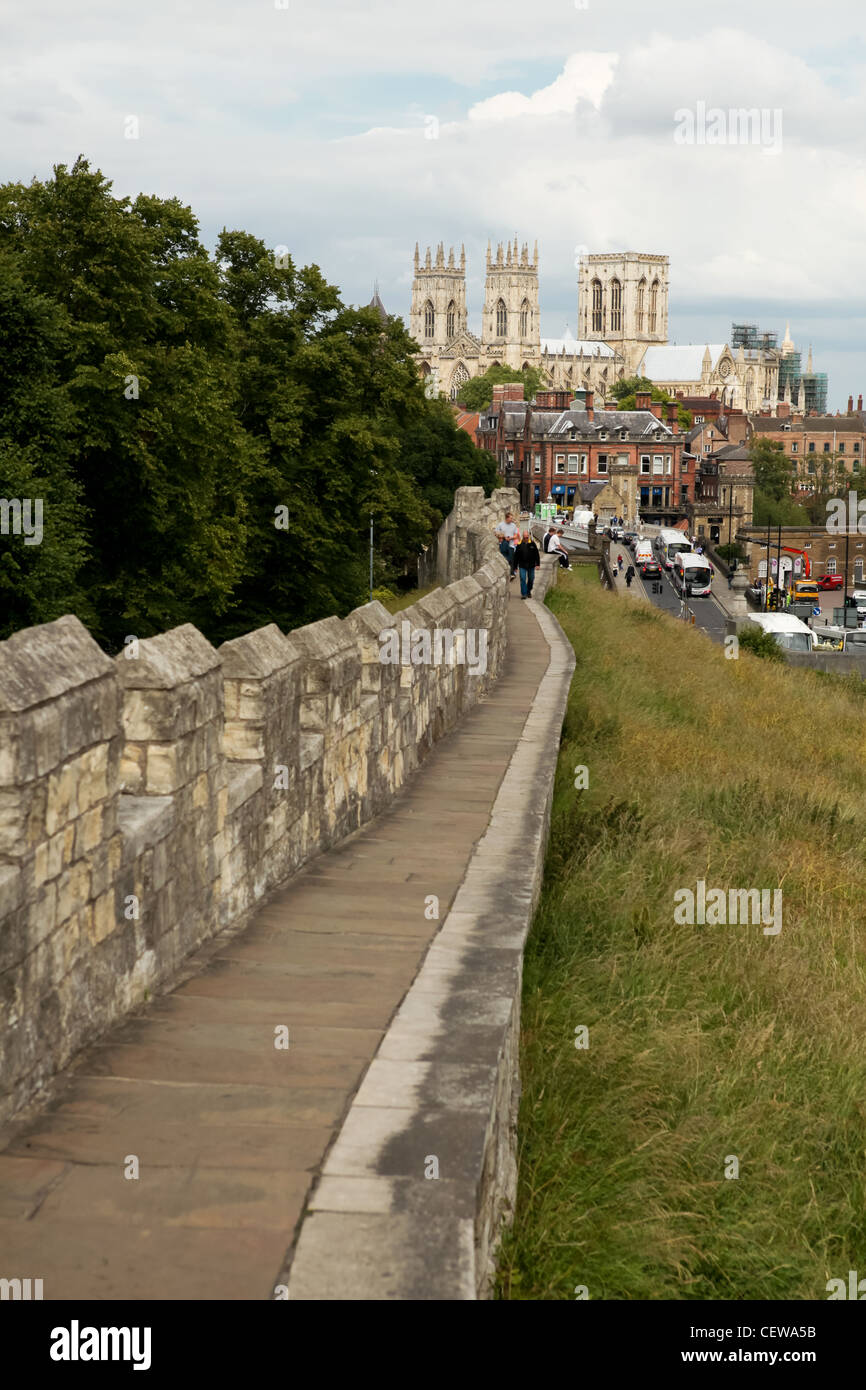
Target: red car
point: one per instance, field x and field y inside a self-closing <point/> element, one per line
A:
<point x="830" y="581"/>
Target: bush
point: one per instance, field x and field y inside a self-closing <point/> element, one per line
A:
<point x="761" y="644"/>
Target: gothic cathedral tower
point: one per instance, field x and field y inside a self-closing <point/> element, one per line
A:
<point x="510" y="329"/>
<point x="438" y="312"/>
<point x="622" y="299"/>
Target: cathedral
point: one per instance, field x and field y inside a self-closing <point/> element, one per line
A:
<point x="622" y="315"/>
<point x="510" y="326"/>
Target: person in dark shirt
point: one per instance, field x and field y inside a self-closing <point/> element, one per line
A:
<point x="527" y="560"/>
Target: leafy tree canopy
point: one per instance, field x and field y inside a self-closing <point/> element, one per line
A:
<point x="207" y="435"/>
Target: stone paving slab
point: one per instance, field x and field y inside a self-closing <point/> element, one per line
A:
<point x="231" y="1132"/>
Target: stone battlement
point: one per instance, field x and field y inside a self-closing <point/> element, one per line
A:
<point x="151" y="800"/>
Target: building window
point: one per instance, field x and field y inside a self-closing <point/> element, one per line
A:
<point x="858" y="571"/>
<point x="601" y="463"/>
<point x="573" y="462"/>
<point x="641" y="296"/>
<point x="538" y="463"/>
<point x="811" y="468"/>
<point x="699" y="419"/>
<point x="658" y="464"/>
<point x="654" y="302"/>
<point x="596" y="306"/>
<point x="708" y="448"/>
<point x="855" y="465"/>
<point x="856" y="448"/>
<point x="826" y="448"/>
<point x="501" y="319"/>
<point x="668" y="464"/>
<point x="560" y="463"/>
<point x="644" y="463"/>
<point x="831" y="566"/>
<point x="644" y="496"/>
<point x="615" y="306"/>
<point x="451" y="320"/>
<point x="524" y="319"/>
<point x="794" y="448"/>
<point x="429" y="320"/>
<point x="811" y="446"/>
<point x="841" y="448"/>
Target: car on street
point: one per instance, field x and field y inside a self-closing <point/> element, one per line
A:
<point x="648" y="568"/>
<point x="630" y="538"/>
<point x="830" y="581"/>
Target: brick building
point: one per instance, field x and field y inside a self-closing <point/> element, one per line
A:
<point x="555" y="445"/>
<point x="810" y="440"/>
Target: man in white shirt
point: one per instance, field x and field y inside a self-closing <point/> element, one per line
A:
<point x="508" y="534"/>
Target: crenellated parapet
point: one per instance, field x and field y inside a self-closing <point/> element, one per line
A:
<point x="150" y="801"/>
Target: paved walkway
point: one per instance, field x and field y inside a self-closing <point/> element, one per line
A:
<point x="228" y="1130"/>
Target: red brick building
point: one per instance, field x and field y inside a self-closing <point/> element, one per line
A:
<point x="557" y="444"/>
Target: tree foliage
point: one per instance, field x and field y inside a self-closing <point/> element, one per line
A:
<point x="624" y="393"/>
<point x="477" y="394"/>
<point x="208" y="435"/>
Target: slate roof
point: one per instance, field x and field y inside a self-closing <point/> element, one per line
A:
<point x="576" y="347"/>
<point x="635" y="422"/>
<point x="665" y="362"/>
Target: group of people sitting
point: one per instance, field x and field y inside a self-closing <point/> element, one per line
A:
<point x="521" y="552"/>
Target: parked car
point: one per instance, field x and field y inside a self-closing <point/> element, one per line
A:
<point x="831" y="581"/>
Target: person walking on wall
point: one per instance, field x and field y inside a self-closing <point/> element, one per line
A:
<point x="509" y="535"/>
<point x="528" y="560"/>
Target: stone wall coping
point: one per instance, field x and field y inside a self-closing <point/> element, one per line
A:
<point x="42" y="663"/>
<point x="143" y="822"/>
<point x="256" y="655"/>
<point x="168" y="660"/>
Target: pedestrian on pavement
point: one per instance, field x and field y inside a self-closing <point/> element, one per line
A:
<point x="509" y="535"/>
<point x="528" y="560"/>
<point x="629" y="576"/>
<point x="619" y="564"/>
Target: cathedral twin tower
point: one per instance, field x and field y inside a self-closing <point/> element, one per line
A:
<point x="510" y="329"/>
<point x="622" y="308"/>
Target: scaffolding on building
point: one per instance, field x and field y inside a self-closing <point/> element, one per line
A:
<point x="749" y="337"/>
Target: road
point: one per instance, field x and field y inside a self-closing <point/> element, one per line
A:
<point x="709" y="617"/>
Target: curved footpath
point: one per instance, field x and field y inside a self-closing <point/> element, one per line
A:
<point x="374" y="1157"/>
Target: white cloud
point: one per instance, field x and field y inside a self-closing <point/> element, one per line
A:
<point x="585" y="77"/>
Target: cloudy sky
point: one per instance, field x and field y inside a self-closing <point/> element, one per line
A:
<point x="349" y="131"/>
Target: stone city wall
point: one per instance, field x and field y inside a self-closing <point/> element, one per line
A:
<point x="151" y="800"/>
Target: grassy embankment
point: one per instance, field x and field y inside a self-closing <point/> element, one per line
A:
<point x="704" y="1041"/>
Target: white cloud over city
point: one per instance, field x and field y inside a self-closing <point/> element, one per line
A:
<point x="309" y="126"/>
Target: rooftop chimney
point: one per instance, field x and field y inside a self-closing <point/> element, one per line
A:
<point x="673" y="417"/>
<point x="656" y="408"/>
<point x="642" y="400"/>
<point x="850" y="405"/>
<point x="589" y="407"/>
<point x="860" y="402"/>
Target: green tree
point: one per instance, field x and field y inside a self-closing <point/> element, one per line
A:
<point x="624" y="393"/>
<point x="477" y="394"/>
<point x="774" y="471"/>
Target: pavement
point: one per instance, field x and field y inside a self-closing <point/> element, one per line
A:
<point x="176" y="1156"/>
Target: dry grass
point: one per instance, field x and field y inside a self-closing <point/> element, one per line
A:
<point x="705" y="1041"/>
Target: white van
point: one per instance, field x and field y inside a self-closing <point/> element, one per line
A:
<point x="787" y="631"/>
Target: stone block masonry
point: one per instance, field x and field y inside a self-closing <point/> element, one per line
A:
<point x="151" y="800"/>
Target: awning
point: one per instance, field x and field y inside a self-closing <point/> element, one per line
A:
<point x="558" y="490"/>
